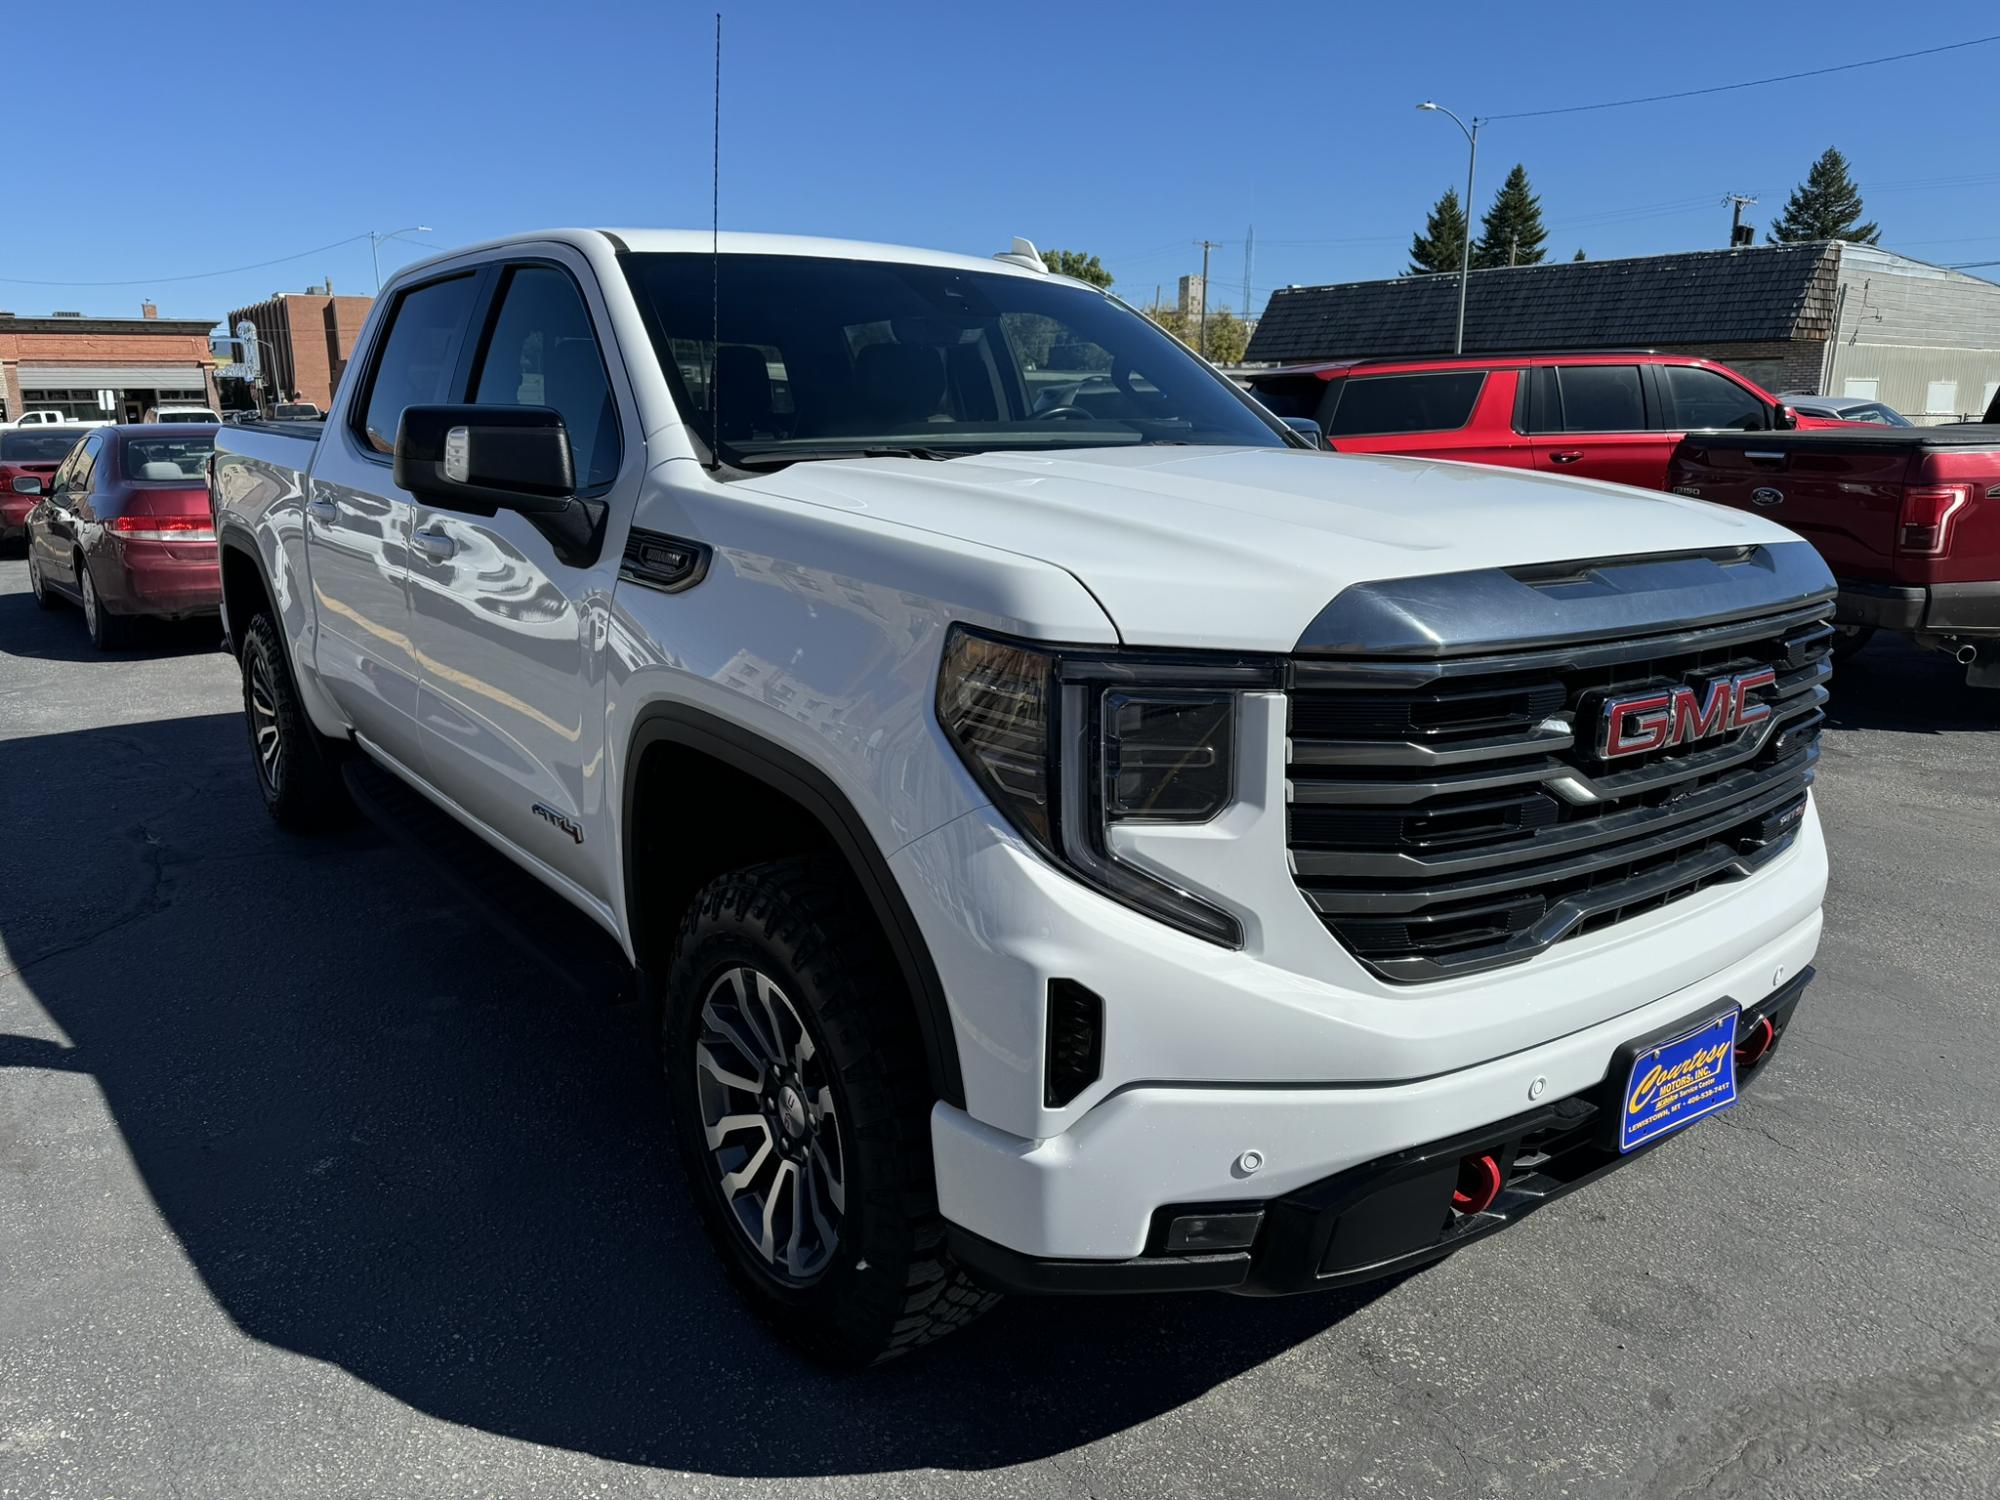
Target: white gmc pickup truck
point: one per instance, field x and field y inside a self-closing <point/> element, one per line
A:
<point x="1077" y="837"/>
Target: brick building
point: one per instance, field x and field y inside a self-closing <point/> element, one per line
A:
<point x="66" y="361"/>
<point x="1824" y="317"/>
<point x="304" y="340"/>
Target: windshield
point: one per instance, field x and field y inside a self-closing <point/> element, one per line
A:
<point x="822" y="358"/>
<point x="42" y="445"/>
<point x="175" y="460"/>
<point x="187" y="414"/>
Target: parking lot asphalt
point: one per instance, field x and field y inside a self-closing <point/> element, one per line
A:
<point x="309" y="1185"/>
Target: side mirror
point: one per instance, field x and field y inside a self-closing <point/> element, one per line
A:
<point x="486" y="458"/>
<point x="1306" y="428"/>
<point x="27" y="484"/>
<point x="1783" y="418"/>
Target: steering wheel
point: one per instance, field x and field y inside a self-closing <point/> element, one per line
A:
<point x="1064" y="413"/>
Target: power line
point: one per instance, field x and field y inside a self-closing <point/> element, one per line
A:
<point x="1724" y="88"/>
<point x="196" y="276"/>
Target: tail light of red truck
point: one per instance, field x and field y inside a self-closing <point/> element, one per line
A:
<point x="1928" y="511"/>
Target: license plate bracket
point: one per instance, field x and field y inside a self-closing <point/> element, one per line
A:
<point x="1670" y="1078"/>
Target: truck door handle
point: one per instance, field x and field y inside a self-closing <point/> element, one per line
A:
<point x="436" y="545"/>
<point x="1567" y="456"/>
<point x="322" y="510"/>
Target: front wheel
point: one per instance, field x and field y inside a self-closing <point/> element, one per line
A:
<point x="801" y="1110"/>
<point x="38" y="585"/>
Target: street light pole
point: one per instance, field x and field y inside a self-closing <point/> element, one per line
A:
<point x="375" y="238"/>
<point x="1471" y="166"/>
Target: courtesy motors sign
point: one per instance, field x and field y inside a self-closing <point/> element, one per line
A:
<point x="1660" y="717"/>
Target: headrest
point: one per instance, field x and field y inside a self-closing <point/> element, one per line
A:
<point x="160" y="468"/>
<point x="900" y="382"/>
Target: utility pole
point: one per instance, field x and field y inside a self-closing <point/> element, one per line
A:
<point x="1249" y="258"/>
<point x="1739" y="232"/>
<point x="1202" y="337"/>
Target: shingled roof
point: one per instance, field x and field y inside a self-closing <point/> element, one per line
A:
<point x="1706" y="296"/>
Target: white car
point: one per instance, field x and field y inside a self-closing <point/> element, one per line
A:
<point x="1108" y="846"/>
<point x="182" y="414"/>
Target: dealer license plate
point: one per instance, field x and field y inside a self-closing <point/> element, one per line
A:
<point x="1677" y="1082"/>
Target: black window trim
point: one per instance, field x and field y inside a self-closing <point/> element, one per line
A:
<point x="356" y="424"/>
<point x="1484" y="372"/>
<point x="487" y="319"/>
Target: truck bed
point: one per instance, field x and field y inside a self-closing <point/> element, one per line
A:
<point x="1908" y="518"/>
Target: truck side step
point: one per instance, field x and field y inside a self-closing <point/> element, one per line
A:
<point x="531" y="916"/>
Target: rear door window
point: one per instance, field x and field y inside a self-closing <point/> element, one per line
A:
<point x="417" y="357"/>
<point x="1600" y="398"/>
<point x="1705" y="401"/>
<point x="1381" y="405"/>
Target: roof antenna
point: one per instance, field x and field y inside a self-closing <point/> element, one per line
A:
<point x="715" y="267"/>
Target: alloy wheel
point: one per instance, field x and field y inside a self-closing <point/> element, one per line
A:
<point x="35" y="585"/>
<point x="264" y="727"/>
<point x="771" y="1124"/>
<point x="90" y="605"/>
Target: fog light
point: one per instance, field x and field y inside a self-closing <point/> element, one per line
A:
<point x="1199" y="1234"/>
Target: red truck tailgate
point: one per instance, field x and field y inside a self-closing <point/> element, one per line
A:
<point x="1840" y="492"/>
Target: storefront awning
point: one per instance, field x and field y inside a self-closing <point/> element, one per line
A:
<point x="175" y="377"/>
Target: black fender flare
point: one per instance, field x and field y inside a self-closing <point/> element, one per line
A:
<point x="809" y="787"/>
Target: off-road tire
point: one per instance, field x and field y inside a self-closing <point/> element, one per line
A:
<point x="298" y="768"/>
<point x="890" y="1285"/>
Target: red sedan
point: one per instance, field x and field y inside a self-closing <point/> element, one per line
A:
<point x="29" y="453"/>
<point x="124" y="529"/>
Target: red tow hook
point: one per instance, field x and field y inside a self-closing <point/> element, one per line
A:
<point x="1478" y="1185"/>
<point x="1755" y="1043"/>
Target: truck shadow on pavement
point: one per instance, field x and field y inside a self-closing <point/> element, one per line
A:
<point x="1895" y="685"/>
<point x="387" y="1143"/>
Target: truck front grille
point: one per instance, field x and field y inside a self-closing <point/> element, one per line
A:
<point x="1454" y="815"/>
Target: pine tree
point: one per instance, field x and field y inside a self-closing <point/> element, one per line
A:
<point x="1511" y="234"/>
<point x="1579" y="254"/>
<point x="1826" y="206"/>
<point x="1442" y="242"/>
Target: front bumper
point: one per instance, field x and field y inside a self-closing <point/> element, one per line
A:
<point x="1385" y="1216"/>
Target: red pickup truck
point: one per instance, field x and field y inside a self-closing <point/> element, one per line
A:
<point x="1908" y="519"/>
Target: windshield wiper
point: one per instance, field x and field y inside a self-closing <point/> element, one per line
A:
<point x="777" y="458"/>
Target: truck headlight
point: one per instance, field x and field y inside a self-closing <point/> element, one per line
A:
<point x="1068" y="741"/>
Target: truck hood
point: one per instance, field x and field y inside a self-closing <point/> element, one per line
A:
<point x="1240" y="548"/>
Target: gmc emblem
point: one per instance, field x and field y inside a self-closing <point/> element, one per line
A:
<point x="1653" y="720"/>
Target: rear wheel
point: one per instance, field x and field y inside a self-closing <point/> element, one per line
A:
<point x="801" y="1110"/>
<point x="298" y="768"/>
<point x="1848" y="639"/>
<point x="107" y="631"/>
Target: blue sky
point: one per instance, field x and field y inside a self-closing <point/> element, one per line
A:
<point x="1128" y="130"/>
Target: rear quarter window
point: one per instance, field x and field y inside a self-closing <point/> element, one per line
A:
<point x="1290" y="395"/>
<point x="1381" y="405"/>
